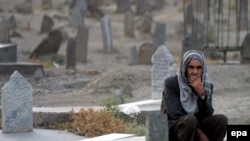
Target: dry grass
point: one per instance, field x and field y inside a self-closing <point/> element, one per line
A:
<point x="91" y="123"/>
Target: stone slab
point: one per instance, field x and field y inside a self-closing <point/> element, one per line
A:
<point x="23" y="68"/>
<point x="41" y="135"/>
<point x="110" y="137"/>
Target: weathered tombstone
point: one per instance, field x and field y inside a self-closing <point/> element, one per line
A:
<point x="17" y="115"/>
<point x="82" y="44"/>
<point x="157" y="127"/>
<point x="245" y="49"/>
<point x="123" y="5"/>
<point x="145" y="24"/>
<point x="49" y="45"/>
<point x="8" y="53"/>
<point x="134" y="56"/>
<point x="107" y="34"/>
<point x="4" y="32"/>
<point x="79" y="8"/>
<point x="145" y="53"/>
<point x="12" y="23"/>
<point x="71" y="54"/>
<point x="159" y="35"/>
<point x="142" y="6"/>
<point x="47" y="24"/>
<point x="162" y="68"/>
<point x="129" y="24"/>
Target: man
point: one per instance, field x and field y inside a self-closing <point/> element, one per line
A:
<point x="187" y="100"/>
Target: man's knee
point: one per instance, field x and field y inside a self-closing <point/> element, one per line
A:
<point x="221" y="119"/>
<point x="190" y="121"/>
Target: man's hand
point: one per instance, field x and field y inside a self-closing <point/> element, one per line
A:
<point x="201" y="136"/>
<point x="195" y="82"/>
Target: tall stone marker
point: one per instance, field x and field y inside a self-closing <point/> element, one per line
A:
<point x="82" y="44"/>
<point x="162" y="68"/>
<point x="159" y="35"/>
<point x="107" y="34"/>
<point x="17" y="115"/>
<point x="4" y="32"/>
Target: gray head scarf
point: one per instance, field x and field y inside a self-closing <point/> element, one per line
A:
<point x="187" y="97"/>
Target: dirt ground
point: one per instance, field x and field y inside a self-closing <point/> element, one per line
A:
<point x="97" y="81"/>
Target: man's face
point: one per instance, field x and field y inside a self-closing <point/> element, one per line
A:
<point x="194" y="69"/>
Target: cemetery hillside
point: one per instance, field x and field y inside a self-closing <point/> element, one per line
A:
<point x="91" y="53"/>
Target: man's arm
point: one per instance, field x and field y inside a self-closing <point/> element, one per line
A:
<point x="171" y="99"/>
<point x="204" y="98"/>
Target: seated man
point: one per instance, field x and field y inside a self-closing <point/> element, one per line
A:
<point x="187" y="101"/>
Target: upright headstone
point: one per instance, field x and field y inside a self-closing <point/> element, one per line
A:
<point x="12" y="23"/>
<point x="107" y="34"/>
<point x="157" y="127"/>
<point x="134" y="56"/>
<point x="145" y="23"/>
<point x="47" y="24"/>
<point x="4" y="32"/>
<point x="49" y="45"/>
<point x="71" y="54"/>
<point x="8" y="53"/>
<point x="145" y="53"/>
<point x="123" y="5"/>
<point x="129" y="24"/>
<point x="79" y="8"/>
<point x="162" y="68"/>
<point x="17" y="115"/>
<point x="82" y="44"/>
<point x="245" y="49"/>
<point x="159" y="35"/>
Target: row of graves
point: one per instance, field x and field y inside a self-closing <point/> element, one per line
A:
<point x="16" y="96"/>
<point x="17" y="110"/>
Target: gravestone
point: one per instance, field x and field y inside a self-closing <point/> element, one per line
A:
<point x="134" y="56"/>
<point x="71" y="54"/>
<point x="159" y="35"/>
<point x="49" y="45"/>
<point x="106" y="34"/>
<point x="123" y="5"/>
<point x="8" y="53"/>
<point x="78" y="11"/>
<point x="17" y="115"/>
<point x="129" y="24"/>
<point x="142" y="6"/>
<point x="12" y="23"/>
<point x="157" y="127"/>
<point x="4" y="32"/>
<point x="82" y="44"/>
<point x="162" y="68"/>
<point x="145" y="23"/>
<point x="47" y="24"/>
<point x="245" y="49"/>
<point x="145" y="53"/>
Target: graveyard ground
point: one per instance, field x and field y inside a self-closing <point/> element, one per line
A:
<point x="95" y="82"/>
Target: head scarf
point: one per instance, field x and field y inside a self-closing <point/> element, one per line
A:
<point x="188" y="97"/>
